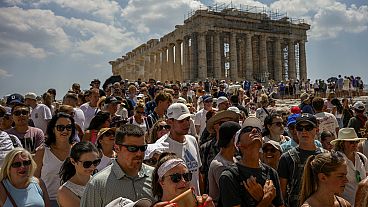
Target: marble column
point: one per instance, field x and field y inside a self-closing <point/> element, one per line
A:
<point x="157" y="73"/>
<point x="291" y="60"/>
<point x="178" y="73"/>
<point x="233" y="58"/>
<point x="170" y="62"/>
<point x="146" y="68"/>
<point x="217" y="56"/>
<point x="164" y="69"/>
<point x="248" y="58"/>
<point x="151" y="66"/>
<point x="277" y="59"/>
<point x="263" y="55"/>
<point x="202" y="57"/>
<point x="186" y="63"/>
<point x="302" y="61"/>
<point x="194" y="56"/>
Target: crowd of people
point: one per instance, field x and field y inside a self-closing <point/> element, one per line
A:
<point x="166" y="144"/>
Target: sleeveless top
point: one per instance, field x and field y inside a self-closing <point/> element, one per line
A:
<point x="78" y="190"/>
<point x="30" y="196"/>
<point x="50" y="173"/>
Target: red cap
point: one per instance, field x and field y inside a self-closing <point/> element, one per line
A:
<point x="295" y="110"/>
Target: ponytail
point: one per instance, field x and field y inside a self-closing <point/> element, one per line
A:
<point x="67" y="171"/>
<point x="309" y="181"/>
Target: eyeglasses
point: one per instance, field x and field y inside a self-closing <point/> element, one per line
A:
<point x="21" y="112"/>
<point x="250" y="128"/>
<point x="61" y="128"/>
<point x="19" y="164"/>
<point x="308" y="127"/>
<point x="267" y="150"/>
<point x="135" y="148"/>
<point x="166" y="127"/>
<point x="175" y="178"/>
<point x="88" y="164"/>
<point x="109" y="134"/>
<point x="279" y="124"/>
<point x="357" y="176"/>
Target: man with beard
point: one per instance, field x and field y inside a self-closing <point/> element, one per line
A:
<point x="126" y="177"/>
<point x="250" y="182"/>
<point x="181" y="143"/>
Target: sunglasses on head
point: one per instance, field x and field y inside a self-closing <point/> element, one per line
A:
<point x="19" y="164"/>
<point x="161" y="127"/>
<point x="175" y="178"/>
<point x="250" y="128"/>
<point x="61" y="128"/>
<point x="88" y="164"/>
<point x="135" y="148"/>
<point x="279" y="124"/>
<point x="308" y="127"/>
<point x="21" y="112"/>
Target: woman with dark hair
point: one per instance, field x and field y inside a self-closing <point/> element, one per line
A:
<point x="171" y="178"/>
<point x="75" y="173"/>
<point x="49" y="158"/>
<point x="159" y="129"/>
<point x="326" y="138"/>
<point x="274" y="129"/>
<point x="101" y="120"/>
<point x="323" y="179"/>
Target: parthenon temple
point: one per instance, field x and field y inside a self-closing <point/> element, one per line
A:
<point x="222" y="43"/>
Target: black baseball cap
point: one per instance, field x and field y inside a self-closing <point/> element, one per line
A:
<point x="306" y="117"/>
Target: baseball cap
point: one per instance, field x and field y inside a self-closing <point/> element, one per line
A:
<point x="111" y="99"/>
<point x="206" y="98"/>
<point x="141" y="95"/>
<point x="292" y="119"/>
<point x="295" y="110"/>
<point x="273" y="143"/>
<point x="221" y="99"/>
<point x="234" y="109"/>
<point x="304" y="96"/>
<point x="14" y="98"/>
<point x="125" y="202"/>
<point x="178" y="111"/>
<point x="30" y="95"/>
<point x="306" y="117"/>
<point x="359" y="105"/>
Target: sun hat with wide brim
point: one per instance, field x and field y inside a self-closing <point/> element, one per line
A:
<point x="104" y="130"/>
<point x="226" y="114"/>
<point x="347" y="134"/>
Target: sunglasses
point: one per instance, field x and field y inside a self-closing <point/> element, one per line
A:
<point x="175" y="178"/>
<point x="135" y="148"/>
<point x="250" y="128"/>
<point x="19" y="164"/>
<point x="88" y="164"/>
<point x="271" y="150"/>
<point x="161" y="127"/>
<point x="279" y="124"/>
<point x="21" y="112"/>
<point x="61" y="128"/>
<point x="307" y="128"/>
<point x="109" y="134"/>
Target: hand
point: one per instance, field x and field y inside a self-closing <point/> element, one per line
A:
<point x="269" y="190"/>
<point x="254" y="188"/>
<point x="205" y="201"/>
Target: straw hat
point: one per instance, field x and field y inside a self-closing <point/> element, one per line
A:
<point x="347" y="134"/>
<point x="226" y="114"/>
<point x="103" y="131"/>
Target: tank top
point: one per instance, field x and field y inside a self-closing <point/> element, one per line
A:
<point x="78" y="190"/>
<point x="50" y="173"/>
<point x="30" y="196"/>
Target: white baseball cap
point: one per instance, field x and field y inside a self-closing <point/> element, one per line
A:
<point x="124" y="202"/>
<point x="30" y="95"/>
<point x="221" y="99"/>
<point x="178" y="111"/>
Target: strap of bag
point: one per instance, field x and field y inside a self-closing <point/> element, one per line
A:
<point x="8" y="194"/>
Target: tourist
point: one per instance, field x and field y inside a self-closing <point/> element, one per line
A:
<point x="324" y="178"/>
<point x="90" y="108"/>
<point x="159" y="129"/>
<point x="126" y="172"/>
<point x="222" y="103"/>
<point x="357" y="122"/>
<point x="100" y="120"/>
<point x="361" y="196"/>
<point x="326" y="120"/>
<point x="347" y="112"/>
<point x="105" y="145"/>
<point x="262" y="112"/>
<point x="274" y="129"/>
<point x="326" y="137"/>
<point x="271" y="153"/>
<point x="49" y="158"/>
<point x="19" y="186"/>
<point x="139" y="118"/>
<point x="75" y="173"/>
<point x="200" y="116"/>
<point x="71" y="99"/>
<point x="163" y="101"/>
<point x="347" y="144"/>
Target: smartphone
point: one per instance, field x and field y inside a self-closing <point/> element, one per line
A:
<point x="186" y="199"/>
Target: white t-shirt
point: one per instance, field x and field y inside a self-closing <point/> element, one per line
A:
<point x="200" y="119"/>
<point x="6" y="145"/>
<point x="40" y="116"/>
<point x="79" y="117"/>
<point x="189" y="152"/>
<point x="327" y="122"/>
<point x="89" y="113"/>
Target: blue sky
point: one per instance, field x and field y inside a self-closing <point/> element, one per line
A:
<point x="54" y="43"/>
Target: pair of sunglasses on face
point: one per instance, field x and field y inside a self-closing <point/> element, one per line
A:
<point x="176" y="177"/>
<point x="61" y="128"/>
<point x="21" y="112"/>
<point x="308" y="127"/>
<point x="161" y="127"/>
<point x="19" y="164"/>
<point x="88" y="164"/>
<point x="134" y="148"/>
<point x="250" y="128"/>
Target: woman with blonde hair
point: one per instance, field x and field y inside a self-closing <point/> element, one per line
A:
<point x="18" y="185"/>
<point x="323" y="179"/>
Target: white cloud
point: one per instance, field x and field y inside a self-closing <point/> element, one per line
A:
<point x="4" y="73"/>
<point x="20" y="49"/>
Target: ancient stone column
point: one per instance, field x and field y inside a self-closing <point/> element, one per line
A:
<point x="157" y="73"/>
<point x="194" y="55"/>
<point x="202" y="57"/>
<point x="178" y="73"/>
<point x="248" y="58"/>
<point x="263" y="55"/>
<point x="233" y="58"/>
<point x="217" y="56"/>
<point x="170" y="62"/>
<point x="291" y="60"/>
<point x="302" y="61"/>
<point x="186" y="63"/>
<point x="146" y="68"/>
<point x="277" y="59"/>
<point x="151" y="66"/>
<point x="164" y="69"/>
